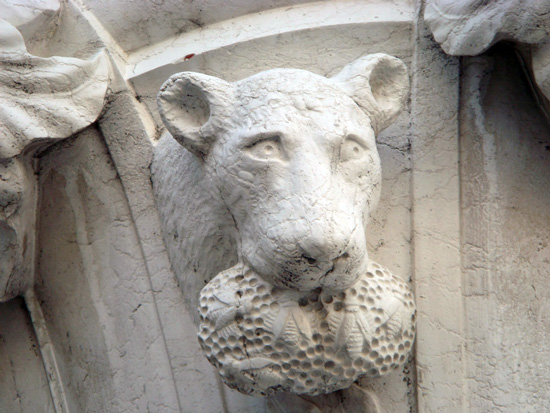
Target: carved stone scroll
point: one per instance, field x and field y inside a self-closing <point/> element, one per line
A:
<point x="469" y="28"/>
<point x="42" y="99"/>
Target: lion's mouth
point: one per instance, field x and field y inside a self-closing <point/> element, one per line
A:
<point x="296" y="277"/>
<point x="329" y="271"/>
<point x="309" y="260"/>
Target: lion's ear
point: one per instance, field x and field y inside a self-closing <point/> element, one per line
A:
<point x="379" y="84"/>
<point x="189" y="104"/>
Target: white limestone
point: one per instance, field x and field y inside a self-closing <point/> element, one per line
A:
<point x="293" y="158"/>
<point x="45" y="98"/>
<point x="266" y="339"/>
<point x="469" y="27"/>
<point x="180" y="48"/>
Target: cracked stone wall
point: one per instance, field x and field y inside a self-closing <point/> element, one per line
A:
<point x="506" y="257"/>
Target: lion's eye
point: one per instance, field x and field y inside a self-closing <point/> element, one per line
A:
<point x="352" y="149"/>
<point x="268" y="148"/>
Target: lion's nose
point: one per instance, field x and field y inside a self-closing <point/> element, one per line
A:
<point x="314" y="249"/>
<point x="314" y="253"/>
<point x="324" y="247"/>
<point x="342" y="258"/>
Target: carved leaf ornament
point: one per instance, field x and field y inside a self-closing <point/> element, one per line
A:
<point x="41" y="100"/>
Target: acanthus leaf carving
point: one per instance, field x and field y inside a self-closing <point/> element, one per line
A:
<point x="42" y="100"/>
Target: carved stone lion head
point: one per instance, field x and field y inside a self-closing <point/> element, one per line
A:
<point x="294" y="158"/>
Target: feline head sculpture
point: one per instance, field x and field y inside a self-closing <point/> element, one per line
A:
<point x="293" y="157"/>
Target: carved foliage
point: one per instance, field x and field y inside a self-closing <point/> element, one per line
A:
<point x="264" y="339"/>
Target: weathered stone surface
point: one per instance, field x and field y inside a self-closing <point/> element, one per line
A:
<point x="469" y="27"/>
<point x="439" y="349"/>
<point x="265" y="339"/>
<point x="99" y="308"/>
<point x="501" y="201"/>
<point x="293" y="159"/>
<point x="23" y="380"/>
<point x="165" y="18"/>
<point x="45" y="98"/>
<point x="189" y="231"/>
<point x="42" y="99"/>
<point x="505" y="152"/>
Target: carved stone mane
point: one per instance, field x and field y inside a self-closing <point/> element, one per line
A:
<point x="290" y="158"/>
